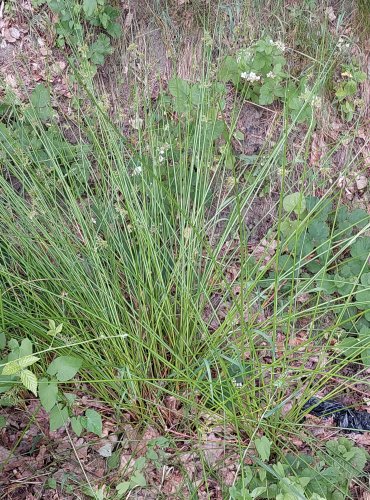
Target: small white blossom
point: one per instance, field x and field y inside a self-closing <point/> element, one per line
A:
<point x="316" y="101"/>
<point x="250" y="77"/>
<point x="279" y="44"/>
<point x="137" y="170"/>
<point x="270" y="74"/>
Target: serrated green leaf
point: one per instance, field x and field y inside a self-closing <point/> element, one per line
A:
<point x="89" y="7"/>
<point x="64" y="367"/>
<point x="48" y="393"/>
<point x="40" y="100"/>
<point x="11" y="368"/>
<point x="318" y="232"/>
<point x="58" y="417"/>
<point x="93" y="422"/>
<point x="29" y="380"/>
<point x="27" y="361"/>
<point x="294" y="202"/>
<point x="263" y="446"/>
<point x="229" y="71"/>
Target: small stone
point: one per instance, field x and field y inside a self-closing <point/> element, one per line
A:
<point x="361" y="182"/>
<point x="342" y="181"/>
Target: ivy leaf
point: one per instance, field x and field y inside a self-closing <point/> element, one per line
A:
<point x="263" y="446"/>
<point x="93" y="422"/>
<point x="89" y="7"/>
<point x="294" y="202"/>
<point x="64" y="367"/>
<point x="58" y="417"/>
<point x="29" y="380"/>
<point x="48" y="393"/>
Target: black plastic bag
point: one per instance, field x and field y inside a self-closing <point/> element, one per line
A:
<point x="350" y="420"/>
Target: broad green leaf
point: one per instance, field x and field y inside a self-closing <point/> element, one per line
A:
<point x="93" y="422"/>
<point x="263" y="446"/>
<point x="122" y="488"/>
<point x="89" y="7"/>
<point x="294" y="202"/>
<point x="180" y="90"/>
<point x="40" y="100"/>
<point x="58" y="417"/>
<point x="64" y="367"/>
<point x="229" y="71"/>
<point x="11" y="368"/>
<point x="318" y="232"/>
<point x="361" y="248"/>
<point x="77" y="425"/>
<point x="27" y="361"/>
<point x="29" y="380"/>
<point x="138" y="479"/>
<point x="48" y="393"/>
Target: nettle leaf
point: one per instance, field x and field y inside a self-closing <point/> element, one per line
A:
<point x="29" y="380"/>
<point x="90" y="7"/>
<point x="294" y="202"/>
<point x="93" y="422"/>
<point x="48" y="393"/>
<point x="58" y="417"/>
<point x="64" y="367"/>
<point x="263" y="446"/>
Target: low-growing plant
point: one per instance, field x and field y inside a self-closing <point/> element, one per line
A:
<point x="318" y="246"/>
<point x="324" y="476"/>
<point x="31" y="126"/>
<point x="70" y="27"/>
<point x="259" y="74"/>
<point x="14" y="370"/>
<point x="346" y="90"/>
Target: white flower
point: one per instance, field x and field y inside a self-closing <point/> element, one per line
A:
<point x="250" y="77"/>
<point x="270" y="74"/>
<point x="137" y="170"/>
<point x="316" y="101"/>
<point x="161" y="159"/>
<point x="279" y="44"/>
